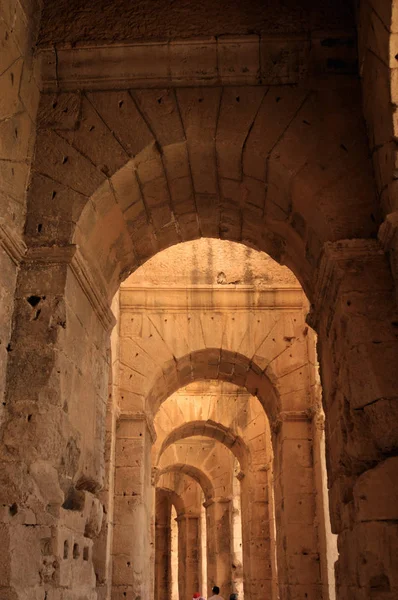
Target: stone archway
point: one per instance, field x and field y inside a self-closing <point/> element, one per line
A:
<point x="59" y="310"/>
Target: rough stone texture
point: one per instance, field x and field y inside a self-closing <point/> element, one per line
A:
<point x="194" y="172"/>
<point x="279" y="164"/>
<point x="97" y="20"/>
<point x="19" y="99"/>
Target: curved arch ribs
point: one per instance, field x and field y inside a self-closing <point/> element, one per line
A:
<point x="131" y="173"/>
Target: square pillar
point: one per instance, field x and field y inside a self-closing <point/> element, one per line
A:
<point x="355" y="316"/>
<point x="52" y="451"/>
<point x="189" y="550"/>
<point x="132" y="539"/>
<point x="298" y="558"/>
<point x="219" y="543"/>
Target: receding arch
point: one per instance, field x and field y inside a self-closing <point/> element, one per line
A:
<point x="201" y="164"/>
<point x="194" y="473"/>
<point x="175" y="499"/>
<point x="215" y="364"/>
<point x="212" y="430"/>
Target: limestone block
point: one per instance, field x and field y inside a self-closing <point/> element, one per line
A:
<point x="299" y="508"/>
<point x="199" y="115"/>
<point x="125" y="512"/>
<point x="120" y="113"/>
<point x="134" y="429"/>
<point x="15" y="137"/>
<point x="238" y="110"/>
<point x="9" y="50"/>
<point x="126" y="188"/>
<point x="59" y="111"/>
<point x="132" y="381"/>
<point x="382" y="383"/>
<point x="60" y="161"/>
<point x="94" y="519"/>
<point x="13" y="178"/>
<point x="122" y="571"/>
<point x="9" y="84"/>
<point x="94" y="140"/>
<point x="123" y="592"/>
<point x="46" y="478"/>
<point x="386" y="437"/>
<point x="304" y="568"/>
<point x="129" y="481"/>
<point x="52" y="219"/>
<point x="129" y="451"/>
<point x="161" y="112"/>
<point x="376" y="493"/>
<point x="373" y="565"/>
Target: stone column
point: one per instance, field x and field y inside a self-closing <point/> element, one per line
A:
<point x="355" y="317"/>
<point x="219" y="543"/>
<point x="163" y="557"/>
<point x="295" y="509"/>
<point x="256" y="533"/>
<point x="189" y="549"/>
<point x="53" y="427"/>
<point x="162" y="562"/>
<point x="132" y="550"/>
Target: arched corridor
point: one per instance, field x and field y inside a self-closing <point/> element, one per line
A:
<point x="198" y="205"/>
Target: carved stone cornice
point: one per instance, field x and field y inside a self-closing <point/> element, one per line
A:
<point x="295" y="415"/>
<point x="140" y="416"/>
<point x="186" y="516"/>
<point x="12" y="243"/>
<point x="202" y="297"/>
<point x="336" y="258"/>
<point x="225" y="60"/>
<point x="217" y="500"/>
<point x="290" y="415"/>
<point x="71" y="256"/>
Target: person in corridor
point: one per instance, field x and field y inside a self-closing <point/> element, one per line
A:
<point x="216" y="594"/>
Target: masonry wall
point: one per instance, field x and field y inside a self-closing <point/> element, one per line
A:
<point x="19" y="97"/>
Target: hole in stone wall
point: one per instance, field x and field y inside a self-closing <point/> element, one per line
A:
<point x="55" y="104"/>
<point x="74" y="500"/>
<point x="88" y="484"/>
<point x="121" y="103"/>
<point x="76" y="551"/>
<point x="86" y="553"/>
<point x="46" y="548"/>
<point x="39" y="227"/>
<point x="33" y="300"/>
<point x="13" y="509"/>
<point x="66" y="549"/>
<point x="64" y="160"/>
